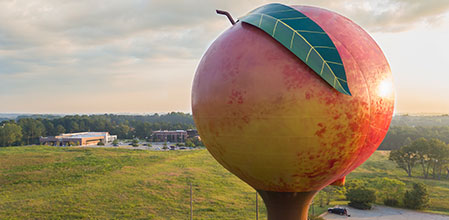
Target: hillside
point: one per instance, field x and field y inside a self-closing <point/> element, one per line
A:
<point x="59" y="183"/>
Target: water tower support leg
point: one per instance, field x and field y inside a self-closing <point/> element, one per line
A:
<point x="287" y="205"/>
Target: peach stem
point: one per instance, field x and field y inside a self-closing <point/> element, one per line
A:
<point x="221" y="12"/>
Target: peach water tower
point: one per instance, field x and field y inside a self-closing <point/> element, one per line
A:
<point x="291" y="99"/>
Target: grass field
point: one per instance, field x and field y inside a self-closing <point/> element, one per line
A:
<point x="104" y="183"/>
<point x="67" y="183"/>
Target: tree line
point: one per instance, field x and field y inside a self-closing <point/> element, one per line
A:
<point x="430" y="156"/>
<point x="397" y="135"/>
<point x="420" y="120"/>
<point x="27" y="130"/>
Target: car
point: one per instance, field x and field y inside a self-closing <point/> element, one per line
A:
<point x="339" y="211"/>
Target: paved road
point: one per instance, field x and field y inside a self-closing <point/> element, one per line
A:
<point x="386" y="213"/>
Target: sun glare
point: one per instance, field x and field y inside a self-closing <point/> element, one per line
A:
<point x="385" y="88"/>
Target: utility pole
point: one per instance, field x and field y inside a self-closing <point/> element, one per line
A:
<point x="191" y="202"/>
<point x="257" y="206"/>
<point x="313" y="208"/>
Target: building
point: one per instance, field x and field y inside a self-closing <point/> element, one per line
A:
<point x="169" y="136"/>
<point x="191" y="133"/>
<point x="81" y="138"/>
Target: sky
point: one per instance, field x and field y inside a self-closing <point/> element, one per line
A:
<point x="134" y="56"/>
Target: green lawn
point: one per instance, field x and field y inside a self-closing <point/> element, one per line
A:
<point x="68" y="183"/>
<point x="42" y="182"/>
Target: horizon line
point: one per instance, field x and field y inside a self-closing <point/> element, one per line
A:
<point x="166" y="112"/>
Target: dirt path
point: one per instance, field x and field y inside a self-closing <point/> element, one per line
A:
<point x="386" y="213"/>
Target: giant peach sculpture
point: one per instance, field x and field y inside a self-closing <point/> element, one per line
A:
<point x="290" y="100"/>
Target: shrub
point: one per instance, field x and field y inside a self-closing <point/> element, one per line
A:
<point x="315" y="217"/>
<point x="100" y="143"/>
<point x="417" y="198"/>
<point x="135" y="143"/>
<point x="387" y="190"/>
<point x="189" y="143"/>
<point x="363" y="206"/>
<point x="361" y="197"/>
<point x="391" y="202"/>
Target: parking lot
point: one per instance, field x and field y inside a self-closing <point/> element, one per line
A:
<point x="156" y="146"/>
<point x="386" y="213"/>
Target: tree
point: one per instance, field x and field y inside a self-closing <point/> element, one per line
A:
<point x="423" y="154"/>
<point x="123" y="131"/>
<point x="115" y="142"/>
<point x="361" y="197"/>
<point x="49" y="127"/>
<point x="60" y="129"/>
<point x="74" y="126"/>
<point x="143" y="129"/>
<point x="31" y="129"/>
<point x="427" y="127"/>
<point x="405" y="157"/>
<point x="431" y="155"/>
<point x="417" y="198"/>
<point x="439" y="155"/>
<point x="10" y="133"/>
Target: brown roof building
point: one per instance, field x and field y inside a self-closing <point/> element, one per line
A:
<point x="169" y="136"/>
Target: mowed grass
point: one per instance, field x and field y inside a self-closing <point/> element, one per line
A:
<point x="41" y="182"/>
<point x="378" y="165"/>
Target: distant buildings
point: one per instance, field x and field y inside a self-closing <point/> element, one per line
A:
<point x="93" y="138"/>
<point x="192" y="133"/>
<point x="173" y="136"/>
<point x="170" y="136"/>
<point x="81" y="138"/>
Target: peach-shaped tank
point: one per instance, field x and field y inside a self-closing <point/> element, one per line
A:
<point x="271" y="120"/>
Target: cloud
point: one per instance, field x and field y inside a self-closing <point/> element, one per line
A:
<point x="397" y="15"/>
<point x="55" y="45"/>
<point x="385" y="15"/>
<point x="169" y="28"/>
